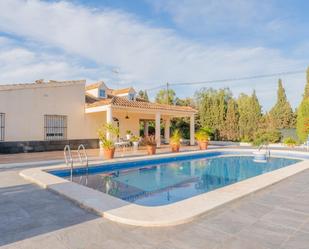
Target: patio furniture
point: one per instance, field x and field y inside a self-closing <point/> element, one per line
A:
<point x="123" y="145"/>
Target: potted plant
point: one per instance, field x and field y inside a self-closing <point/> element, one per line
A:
<point x="151" y="144"/>
<point x="135" y="142"/>
<point x="108" y="144"/>
<point x="290" y="142"/>
<point x="175" y="140"/>
<point x="202" y="137"/>
<point x="128" y="134"/>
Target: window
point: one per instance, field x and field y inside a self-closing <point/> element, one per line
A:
<point x="131" y="96"/>
<point x="55" y="127"/>
<point x="102" y="93"/>
<point x="2" y="126"/>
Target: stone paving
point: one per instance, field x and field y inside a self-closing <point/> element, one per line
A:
<point x="274" y="218"/>
<point x="93" y="154"/>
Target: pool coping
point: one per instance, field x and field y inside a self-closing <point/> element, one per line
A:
<point x="176" y="213"/>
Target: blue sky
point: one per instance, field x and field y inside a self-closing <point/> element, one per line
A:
<point x="152" y="42"/>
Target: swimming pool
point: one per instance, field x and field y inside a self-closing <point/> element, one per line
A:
<point x="164" y="181"/>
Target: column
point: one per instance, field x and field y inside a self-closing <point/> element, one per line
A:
<point x="192" y="130"/>
<point x="109" y="119"/>
<point x="157" y="134"/>
<point x="167" y="129"/>
<point x="146" y="129"/>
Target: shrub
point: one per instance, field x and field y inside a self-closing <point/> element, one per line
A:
<point x="266" y="137"/>
<point x="289" y="142"/>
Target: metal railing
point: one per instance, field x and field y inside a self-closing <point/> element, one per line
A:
<point x="267" y="150"/>
<point x="82" y="155"/>
<point x="68" y="158"/>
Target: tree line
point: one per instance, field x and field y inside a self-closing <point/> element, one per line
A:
<point x="241" y="118"/>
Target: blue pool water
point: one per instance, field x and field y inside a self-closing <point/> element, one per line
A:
<point x="164" y="181"/>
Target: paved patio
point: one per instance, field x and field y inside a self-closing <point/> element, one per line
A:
<point x="93" y="154"/>
<point x="277" y="217"/>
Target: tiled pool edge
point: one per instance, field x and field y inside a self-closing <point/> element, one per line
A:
<point x="173" y="214"/>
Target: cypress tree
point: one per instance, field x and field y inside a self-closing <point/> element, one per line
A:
<point x="302" y="125"/>
<point x="282" y="113"/>
<point x="212" y="106"/>
<point x="306" y="94"/>
<point x="231" y="128"/>
<point x="143" y="94"/>
<point x="250" y="114"/>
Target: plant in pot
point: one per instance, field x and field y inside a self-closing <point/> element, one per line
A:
<point x="135" y="142"/>
<point x="108" y="144"/>
<point x="202" y="137"/>
<point x="175" y="140"/>
<point x="151" y="144"/>
<point x="128" y="134"/>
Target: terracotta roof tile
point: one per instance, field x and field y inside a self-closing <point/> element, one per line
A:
<point x="38" y="84"/>
<point x="121" y="91"/>
<point x="123" y="102"/>
<point x="93" y="86"/>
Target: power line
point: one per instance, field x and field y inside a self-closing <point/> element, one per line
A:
<point x="230" y="79"/>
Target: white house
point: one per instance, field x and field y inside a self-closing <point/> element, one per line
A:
<point x="47" y="115"/>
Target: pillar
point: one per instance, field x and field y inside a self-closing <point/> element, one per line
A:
<point x="146" y="128"/>
<point x="192" y="130"/>
<point x="157" y="134"/>
<point x="109" y="119"/>
<point x="167" y="130"/>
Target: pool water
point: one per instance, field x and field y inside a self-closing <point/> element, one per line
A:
<point x="164" y="183"/>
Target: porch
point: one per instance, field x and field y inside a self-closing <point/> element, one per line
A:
<point x="128" y="115"/>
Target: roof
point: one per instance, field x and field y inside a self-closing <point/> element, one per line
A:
<point x="117" y="101"/>
<point x="111" y="91"/>
<point x="122" y="91"/>
<point x="39" y="84"/>
<point x="94" y="85"/>
<point x="89" y="98"/>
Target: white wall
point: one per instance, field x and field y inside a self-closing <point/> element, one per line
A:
<point x="25" y="109"/>
<point x="131" y="124"/>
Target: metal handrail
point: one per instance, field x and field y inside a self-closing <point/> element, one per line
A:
<point x="82" y="147"/>
<point x="266" y="148"/>
<point x="68" y="158"/>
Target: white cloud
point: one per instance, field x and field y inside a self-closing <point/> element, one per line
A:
<point x="20" y="64"/>
<point x="145" y="55"/>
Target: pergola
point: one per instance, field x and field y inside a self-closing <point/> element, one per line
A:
<point x="116" y="107"/>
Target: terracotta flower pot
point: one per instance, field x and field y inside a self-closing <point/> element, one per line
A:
<point x="109" y="153"/>
<point x="151" y="149"/>
<point x="175" y="147"/>
<point x="203" y="145"/>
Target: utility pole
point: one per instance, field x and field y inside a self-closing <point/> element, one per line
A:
<point x="167" y="97"/>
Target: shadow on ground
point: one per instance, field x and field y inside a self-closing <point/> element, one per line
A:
<point x="27" y="211"/>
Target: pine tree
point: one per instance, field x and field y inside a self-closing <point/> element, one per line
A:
<point x="161" y="97"/>
<point x="282" y="113"/>
<point x="231" y="128"/>
<point x="302" y="125"/>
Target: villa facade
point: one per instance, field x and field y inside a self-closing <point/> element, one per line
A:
<point x="47" y="115"/>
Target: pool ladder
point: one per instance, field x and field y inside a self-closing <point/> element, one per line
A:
<point x="82" y="156"/>
<point x="267" y="150"/>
